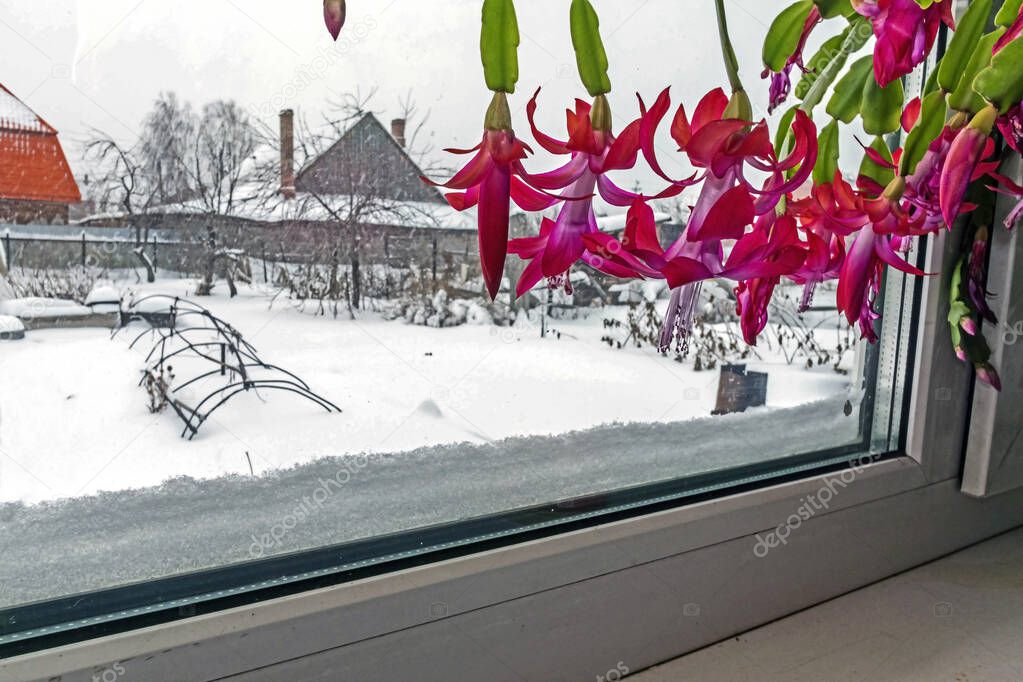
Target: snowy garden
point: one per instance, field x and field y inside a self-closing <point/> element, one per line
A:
<point x="463" y="393"/>
<point x="75" y="421"/>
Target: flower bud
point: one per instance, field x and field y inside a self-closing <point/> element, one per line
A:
<point x="334" y="16"/>
<point x="989" y="375"/>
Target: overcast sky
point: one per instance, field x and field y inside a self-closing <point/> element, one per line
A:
<point x="100" y="63"/>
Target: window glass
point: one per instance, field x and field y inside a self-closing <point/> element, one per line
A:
<point x="245" y="345"/>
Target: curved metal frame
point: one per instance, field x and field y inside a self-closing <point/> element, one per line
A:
<point x="219" y="334"/>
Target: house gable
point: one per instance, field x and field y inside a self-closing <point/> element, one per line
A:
<point x="33" y="167"/>
<point x="367" y="160"/>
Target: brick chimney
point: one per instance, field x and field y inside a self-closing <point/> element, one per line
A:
<point x="398" y="130"/>
<point x="288" y="154"/>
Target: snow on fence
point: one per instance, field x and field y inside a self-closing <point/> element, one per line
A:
<point x="180" y="250"/>
<point x="57" y="247"/>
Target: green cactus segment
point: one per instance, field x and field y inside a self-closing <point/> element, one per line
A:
<point x="827" y="154"/>
<point x="1001" y="83"/>
<point x="499" y="43"/>
<point x="830" y="9"/>
<point x="933" y="111"/>
<point x="968" y="31"/>
<point x="964" y="97"/>
<point x="1008" y="13"/>
<point x="844" y="104"/>
<point x="589" y="48"/>
<point x="881" y="108"/>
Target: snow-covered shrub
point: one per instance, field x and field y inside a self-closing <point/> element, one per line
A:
<point x="794" y="333"/>
<point x="321" y="288"/>
<point x="73" y="284"/>
<point x="710" y="344"/>
<point x="439" y="310"/>
<point x="716" y="337"/>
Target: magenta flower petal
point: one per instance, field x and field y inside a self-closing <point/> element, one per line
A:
<point x="494" y="207"/>
<point x="883" y="248"/>
<point x="727" y="218"/>
<point x="562" y="177"/>
<point x="461" y="201"/>
<point x="530" y="277"/>
<point x="682" y="270"/>
<point x="546" y="141"/>
<point x="905" y="33"/>
<point x="1011" y="127"/>
<point x="641" y="228"/>
<point x="753" y="299"/>
<point x="650" y="120"/>
<point x="529" y="199"/>
<point x="624" y="151"/>
<point x="857" y="279"/>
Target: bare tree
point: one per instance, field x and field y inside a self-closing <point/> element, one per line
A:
<point x="182" y="161"/>
<point x="120" y="182"/>
<point x="220" y="163"/>
<point x="167" y="131"/>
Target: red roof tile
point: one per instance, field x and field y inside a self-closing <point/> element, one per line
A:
<point x="32" y="164"/>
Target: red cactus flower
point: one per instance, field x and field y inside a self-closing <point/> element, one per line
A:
<point x="594" y="151"/>
<point x="490" y="181"/>
<point x="638" y="254"/>
<point x="859" y="279"/>
<point x="726" y="148"/>
<point x="1010" y="125"/>
<point x="824" y="258"/>
<point x="905" y="33"/>
<point x="924" y="184"/>
<point x="976" y="278"/>
<point x="758" y="261"/>
<point x="962" y="161"/>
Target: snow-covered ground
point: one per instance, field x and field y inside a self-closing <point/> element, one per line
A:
<point x="73" y="420"/>
<point x="457" y="420"/>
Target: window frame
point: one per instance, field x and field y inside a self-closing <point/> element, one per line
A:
<point x="311" y="623"/>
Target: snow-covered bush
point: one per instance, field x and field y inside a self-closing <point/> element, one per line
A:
<point x="73" y="284"/>
<point x="716" y="338"/>
<point x="440" y="310"/>
<point x="710" y="344"/>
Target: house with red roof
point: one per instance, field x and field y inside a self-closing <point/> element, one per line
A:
<point x="36" y="183"/>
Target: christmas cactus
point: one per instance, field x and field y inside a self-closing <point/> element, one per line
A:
<point x="771" y="207"/>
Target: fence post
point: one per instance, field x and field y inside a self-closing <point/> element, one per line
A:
<point x="83" y="249"/>
<point x="7" y="249"/>
<point x="387" y="266"/>
<point x="435" y="262"/>
<point x="544" y="308"/>
<point x="266" y="280"/>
